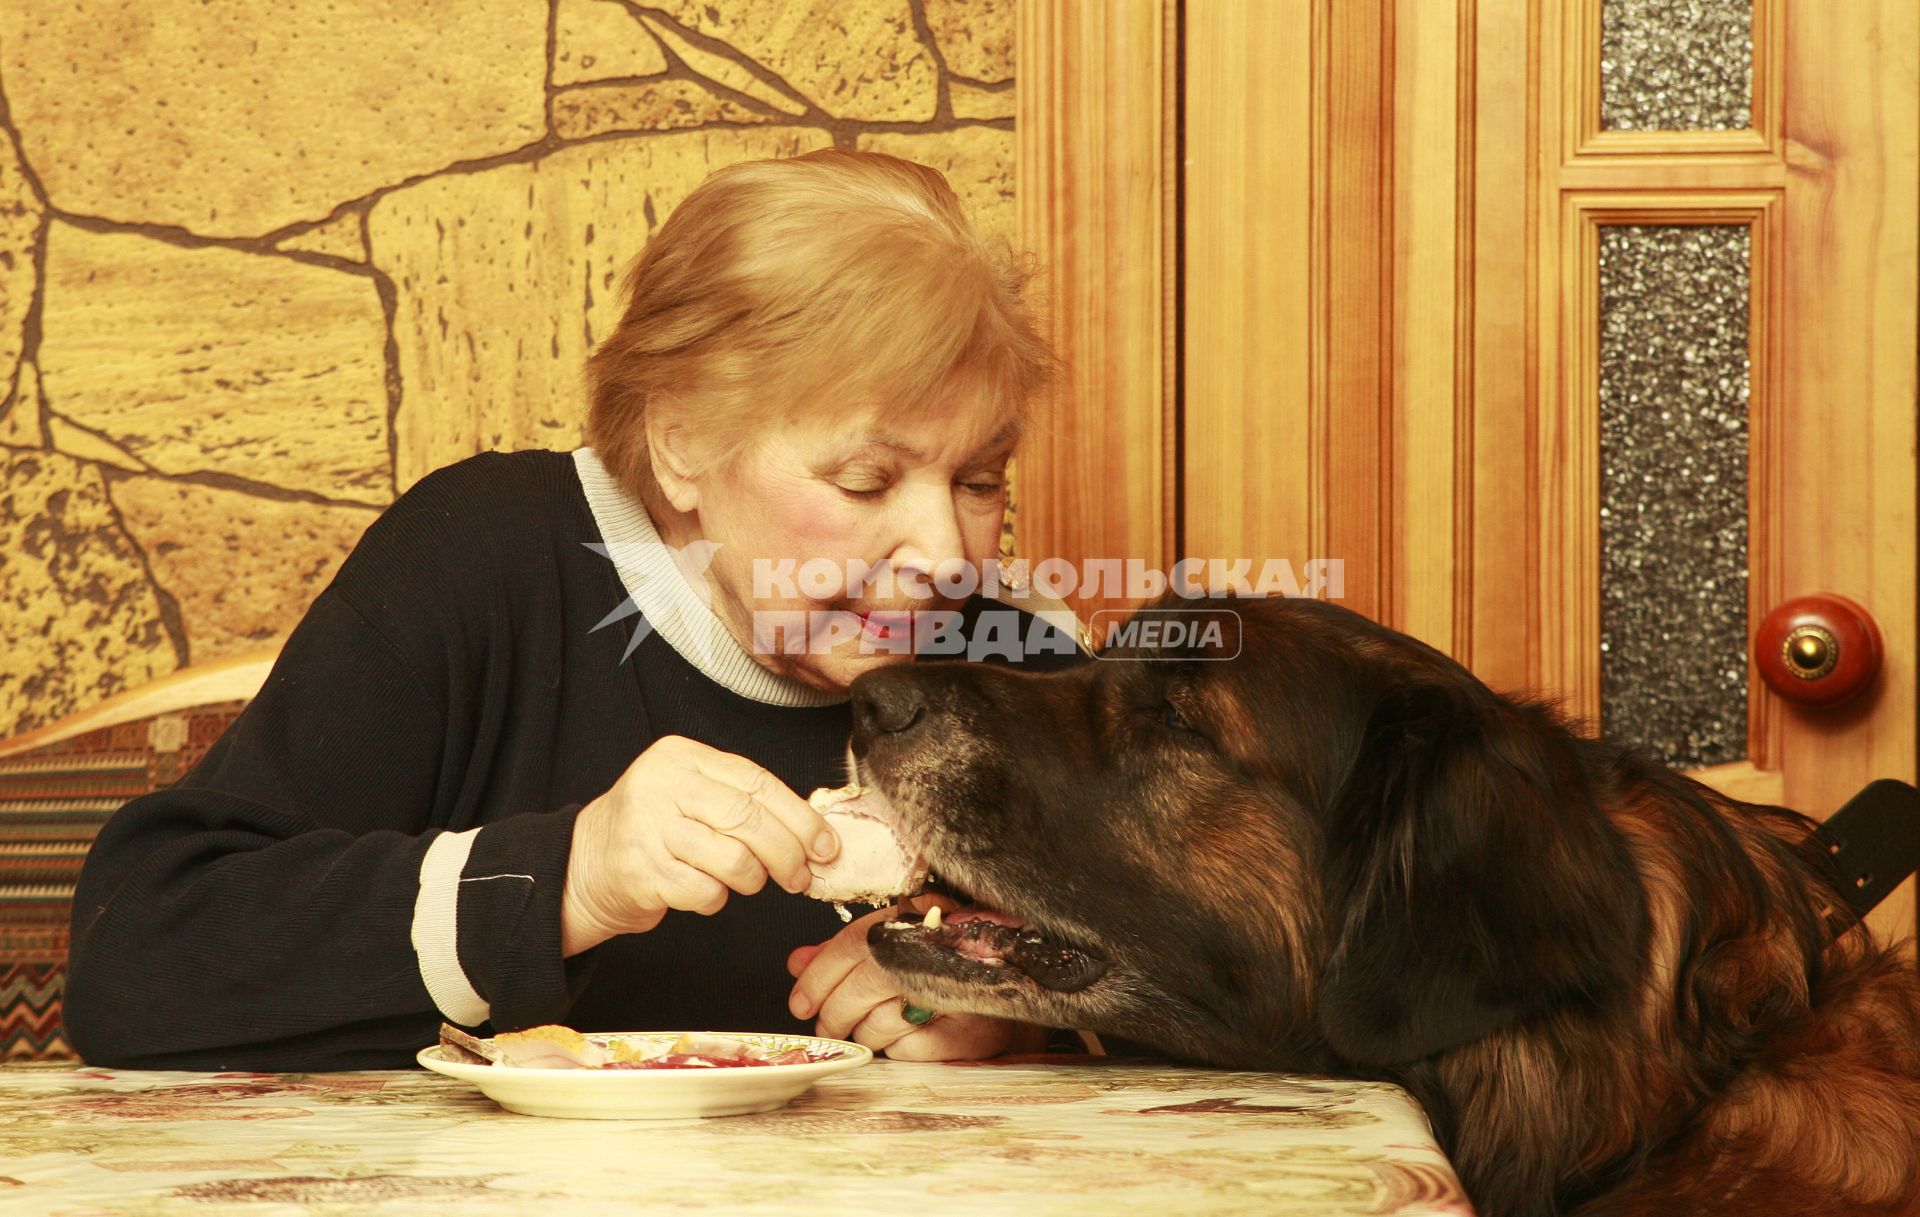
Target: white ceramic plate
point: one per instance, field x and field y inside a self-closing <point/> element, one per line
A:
<point x="656" y="1094"/>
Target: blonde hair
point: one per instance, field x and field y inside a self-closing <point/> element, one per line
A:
<point x="780" y="287"/>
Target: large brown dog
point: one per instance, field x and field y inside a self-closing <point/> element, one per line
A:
<point x="1614" y="990"/>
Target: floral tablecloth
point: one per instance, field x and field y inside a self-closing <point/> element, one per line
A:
<point x="1032" y="1137"/>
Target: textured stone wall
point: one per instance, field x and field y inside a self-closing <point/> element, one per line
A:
<point x="263" y="265"/>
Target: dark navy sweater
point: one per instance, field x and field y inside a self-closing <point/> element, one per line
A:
<point x="260" y="914"/>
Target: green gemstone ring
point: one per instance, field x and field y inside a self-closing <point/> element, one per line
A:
<point x="919" y="1016"/>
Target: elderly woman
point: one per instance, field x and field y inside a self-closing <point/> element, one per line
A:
<point x="459" y="796"/>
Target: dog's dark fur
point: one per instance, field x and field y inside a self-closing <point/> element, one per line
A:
<point x="1614" y="990"/>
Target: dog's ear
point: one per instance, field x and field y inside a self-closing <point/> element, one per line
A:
<point x="1474" y="880"/>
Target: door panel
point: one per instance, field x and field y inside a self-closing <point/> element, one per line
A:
<point x="1253" y="425"/>
<point x="1095" y="186"/>
<point x="1389" y="346"/>
<point x="1825" y="180"/>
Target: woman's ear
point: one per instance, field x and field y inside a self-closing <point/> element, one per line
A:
<point x="1476" y="880"/>
<point x="667" y="450"/>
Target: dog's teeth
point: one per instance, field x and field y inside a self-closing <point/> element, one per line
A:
<point x="932" y="921"/>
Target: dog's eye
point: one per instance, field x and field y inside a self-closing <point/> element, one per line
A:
<point x="1170" y="715"/>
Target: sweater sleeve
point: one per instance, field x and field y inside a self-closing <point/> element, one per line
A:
<point x="306" y="898"/>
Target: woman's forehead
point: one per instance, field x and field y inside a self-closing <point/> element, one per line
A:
<point x="954" y="431"/>
<point x="965" y="439"/>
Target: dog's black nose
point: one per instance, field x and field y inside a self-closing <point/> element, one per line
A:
<point x="883" y="706"/>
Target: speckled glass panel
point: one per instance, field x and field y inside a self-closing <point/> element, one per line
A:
<point x="1676" y="65"/>
<point x="1674" y="385"/>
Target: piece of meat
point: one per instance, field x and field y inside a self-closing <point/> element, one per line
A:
<point x="873" y="865"/>
<point x="548" y="1047"/>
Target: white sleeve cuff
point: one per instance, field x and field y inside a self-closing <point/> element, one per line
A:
<point x="436" y="931"/>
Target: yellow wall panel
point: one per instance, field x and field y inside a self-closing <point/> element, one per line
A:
<point x="264" y="266"/>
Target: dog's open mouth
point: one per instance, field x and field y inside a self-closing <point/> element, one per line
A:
<point x="981" y="946"/>
<point x="975" y="944"/>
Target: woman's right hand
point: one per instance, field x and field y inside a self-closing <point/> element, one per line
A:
<point x="683" y="825"/>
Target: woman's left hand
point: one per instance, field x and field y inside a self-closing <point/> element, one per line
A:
<point x="851" y="997"/>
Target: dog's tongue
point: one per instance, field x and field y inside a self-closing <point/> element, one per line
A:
<point x="873" y="866"/>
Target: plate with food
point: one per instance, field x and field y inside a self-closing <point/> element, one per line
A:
<point x="639" y="1075"/>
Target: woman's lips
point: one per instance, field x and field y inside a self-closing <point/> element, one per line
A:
<point x="886" y="626"/>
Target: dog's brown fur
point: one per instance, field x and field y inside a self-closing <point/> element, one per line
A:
<point x="1614" y="990"/>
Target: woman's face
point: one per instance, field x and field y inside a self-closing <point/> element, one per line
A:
<point x="902" y="500"/>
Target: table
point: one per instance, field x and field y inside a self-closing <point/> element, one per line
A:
<point x="1022" y="1136"/>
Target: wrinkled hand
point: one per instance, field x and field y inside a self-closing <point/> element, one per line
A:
<point x="852" y="997"/>
<point x="684" y="825"/>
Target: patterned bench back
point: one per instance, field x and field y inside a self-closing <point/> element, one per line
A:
<point x="53" y="799"/>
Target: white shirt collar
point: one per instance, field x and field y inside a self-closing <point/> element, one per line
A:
<point x="675" y="600"/>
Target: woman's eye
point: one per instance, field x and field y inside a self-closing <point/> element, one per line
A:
<point x="983" y="489"/>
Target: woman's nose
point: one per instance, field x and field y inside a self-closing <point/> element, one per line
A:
<point x="930" y="538"/>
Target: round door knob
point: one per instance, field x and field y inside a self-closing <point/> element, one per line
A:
<point x="1818" y="650"/>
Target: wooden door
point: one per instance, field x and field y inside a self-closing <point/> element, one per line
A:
<point x="1411" y="283"/>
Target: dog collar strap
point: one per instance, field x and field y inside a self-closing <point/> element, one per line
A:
<point x="1873" y="843"/>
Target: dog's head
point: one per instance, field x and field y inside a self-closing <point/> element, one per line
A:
<point x="1338" y="840"/>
